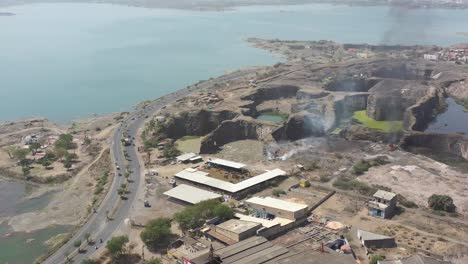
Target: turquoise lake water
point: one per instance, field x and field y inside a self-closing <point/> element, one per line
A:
<point x="67" y="61"/>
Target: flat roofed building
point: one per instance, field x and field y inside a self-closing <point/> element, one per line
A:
<point x="237" y="230"/>
<point x="184" y="158"/>
<point x="383" y="204"/>
<point x="277" y="207"/>
<point x="237" y="190"/>
<point x="227" y="164"/>
<point x="191" y="195"/>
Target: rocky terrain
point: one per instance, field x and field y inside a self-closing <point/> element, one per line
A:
<point x="321" y="100"/>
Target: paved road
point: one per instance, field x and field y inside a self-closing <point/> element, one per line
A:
<point x="98" y="224"/>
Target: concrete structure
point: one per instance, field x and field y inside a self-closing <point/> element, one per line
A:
<point x="234" y="230"/>
<point x="227" y="165"/>
<point x="383" y="204"/>
<point x="373" y="240"/>
<point x="185" y="158"/>
<point x="236" y="190"/>
<point x="191" y="195"/>
<point x="264" y="206"/>
<point x="30" y="139"/>
<point x="414" y="259"/>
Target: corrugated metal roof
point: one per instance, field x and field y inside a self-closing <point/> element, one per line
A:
<point x="277" y="203"/>
<point x="202" y="178"/>
<point x="240" y="246"/>
<point x="365" y="235"/>
<point x="263" y="255"/>
<point x="191" y="194"/>
<point x="227" y="163"/>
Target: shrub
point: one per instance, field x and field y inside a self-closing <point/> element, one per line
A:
<point x="375" y="259"/>
<point x="354" y="185"/>
<point x="278" y="192"/>
<point x="361" y="167"/>
<point x="441" y="203"/>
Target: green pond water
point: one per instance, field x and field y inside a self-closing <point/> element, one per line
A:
<point x="271" y="117"/>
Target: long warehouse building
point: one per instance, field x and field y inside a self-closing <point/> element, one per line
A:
<point x="236" y="190"/>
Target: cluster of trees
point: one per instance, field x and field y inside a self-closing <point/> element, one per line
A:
<point x="60" y="152"/>
<point x="195" y="216"/>
<point x="157" y="233"/>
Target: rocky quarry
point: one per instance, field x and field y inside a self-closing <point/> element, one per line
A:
<point x="322" y="100"/>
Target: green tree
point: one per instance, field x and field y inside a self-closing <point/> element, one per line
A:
<point x="195" y="216"/>
<point x="26" y="170"/>
<point x="375" y="259"/>
<point x="60" y="152"/>
<point x="20" y="153"/>
<point x="90" y="261"/>
<point x="34" y="147"/>
<point x="46" y="163"/>
<point x="77" y="243"/>
<point x="87" y="236"/>
<point x="10" y="150"/>
<point x="67" y="164"/>
<point x="116" y="246"/>
<point x="65" y="141"/>
<point x="157" y="233"/>
<point x="223" y="211"/>
<point x="171" y="151"/>
<point x="441" y="203"/>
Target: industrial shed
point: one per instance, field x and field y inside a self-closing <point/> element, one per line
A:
<point x="187" y="194"/>
<point x="237" y="190"/>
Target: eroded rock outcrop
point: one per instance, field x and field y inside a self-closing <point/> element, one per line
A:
<point x="454" y="143"/>
<point x="196" y="122"/>
<point x="234" y="130"/>
<point x="390" y="98"/>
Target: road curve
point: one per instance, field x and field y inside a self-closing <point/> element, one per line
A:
<point x="98" y="224"/>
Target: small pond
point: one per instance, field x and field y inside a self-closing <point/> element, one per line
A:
<point x="272" y="117"/>
<point x="453" y="120"/>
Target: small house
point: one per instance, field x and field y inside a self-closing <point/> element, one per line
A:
<point x="383" y="204"/>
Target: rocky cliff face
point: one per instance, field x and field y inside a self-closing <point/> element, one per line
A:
<point x="272" y="92"/>
<point x="390" y="98"/>
<point x="196" y="122"/>
<point x="419" y="115"/>
<point x="234" y="130"/>
<point x="346" y="107"/>
<point x="455" y="144"/>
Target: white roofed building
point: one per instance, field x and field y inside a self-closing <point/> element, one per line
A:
<point x="227" y="164"/>
<point x="191" y="195"/>
<point x="236" y="190"/>
<point x="277" y="207"/>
